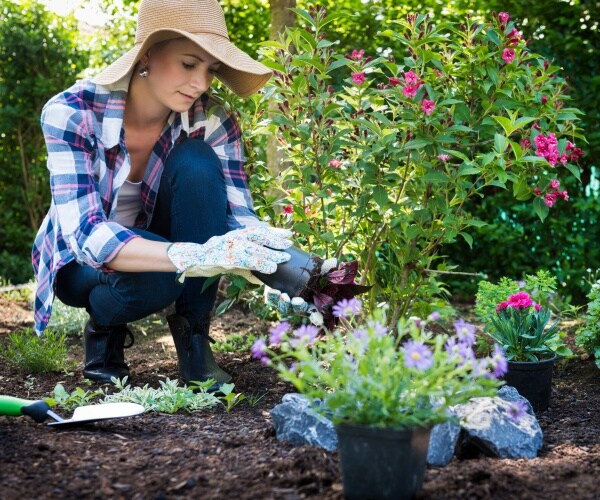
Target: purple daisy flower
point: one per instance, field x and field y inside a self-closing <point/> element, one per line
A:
<point x="378" y="329"/>
<point x="517" y="410"/>
<point x="304" y="335"/>
<point x="459" y="351"/>
<point x="347" y="307"/>
<point x="434" y="316"/>
<point x="259" y="349"/>
<point x="498" y="362"/>
<point x="465" y="331"/>
<point x="277" y="332"/>
<point x="417" y="355"/>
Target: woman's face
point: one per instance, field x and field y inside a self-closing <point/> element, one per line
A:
<point x="179" y="73"/>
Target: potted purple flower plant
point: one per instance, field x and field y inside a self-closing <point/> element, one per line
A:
<point x="383" y="389"/>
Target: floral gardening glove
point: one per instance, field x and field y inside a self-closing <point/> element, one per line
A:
<point x="236" y="252"/>
<point x="297" y="305"/>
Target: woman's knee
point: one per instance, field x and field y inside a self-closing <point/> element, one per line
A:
<point x="133" y="296"/>
<point x="193" y="158"/>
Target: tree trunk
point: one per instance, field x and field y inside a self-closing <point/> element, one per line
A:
<point x="281" y="17"/>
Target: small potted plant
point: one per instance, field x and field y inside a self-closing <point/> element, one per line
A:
<point x="531" y="347"/>
<point x="383" y="390"/>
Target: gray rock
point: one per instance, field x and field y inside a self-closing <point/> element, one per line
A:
<point x="297" y="422"/>
<point x="488" y="426"/>
<point x="484" y="425"/>
<point x="442" y="443"/>
<point x="509" y="393"/>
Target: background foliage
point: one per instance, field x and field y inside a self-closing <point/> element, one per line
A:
<point x="39" y="55"/>
<point x="514" y="243"/>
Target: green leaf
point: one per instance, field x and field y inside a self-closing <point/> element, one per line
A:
<point x="436" y="177"/>
<point x="575" y="170"/>
<point x="303" y="228"/>
<point x="468" y="238"/>
<point x="505" y="123"/>
<point x="517" y="149"/>
<point x="466" y="169"/>
<point x="521" y="189"/>
<point x="224" y="306"/>
<point x="540" y="208"/>
<point x="418" y="143"/>
<point x="521" y="122"/>
<point x="381" y="196"/>
<point x="534" y="159"/>
<point x="500" y="143"/>
<point x="338" y="64"/>
<point x="493" y="37"/>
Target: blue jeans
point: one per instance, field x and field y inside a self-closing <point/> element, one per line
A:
<point x="191" y="206"/>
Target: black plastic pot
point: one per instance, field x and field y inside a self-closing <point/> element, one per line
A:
<point x="533" y="381"/>
<point x="382" y="463"/>
<point x="293" y="276"/>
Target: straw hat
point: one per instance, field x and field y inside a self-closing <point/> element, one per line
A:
<point x="202" y="22"/>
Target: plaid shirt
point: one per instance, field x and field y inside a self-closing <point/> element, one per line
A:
<point x="88" y="163"/>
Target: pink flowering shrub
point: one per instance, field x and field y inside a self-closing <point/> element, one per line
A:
<point x="387" y="160"/>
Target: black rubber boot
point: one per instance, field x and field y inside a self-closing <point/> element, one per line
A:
<point x="196" y="360"/>
<point x="103" y="347"/>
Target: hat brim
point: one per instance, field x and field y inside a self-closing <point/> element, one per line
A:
<point x="242" y="74"/>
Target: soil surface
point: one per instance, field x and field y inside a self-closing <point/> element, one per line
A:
<point x="212" y="454"/>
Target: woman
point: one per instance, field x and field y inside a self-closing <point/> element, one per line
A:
<point x="147" y="181"/>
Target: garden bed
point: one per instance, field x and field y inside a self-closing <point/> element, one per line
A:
<point x="214" y="454"/>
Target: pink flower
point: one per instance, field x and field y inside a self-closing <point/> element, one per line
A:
<point x="444" y="157"/>
<point x="428" y="106"/>
<point x="508" y="55"/>
<point x="503" y="305"/>
<point x="288" y="209"/>
<point x="537" y="307"/>
<point x="537" y="191"/>
<point x="525" y="143"/>
<point x="514" y="37"/>
<point x="503" y="17"/>
<point x="520" y="300"/>
<point x="357" y="55"/>
<point x="555" y="184"/>
<point x="573" y="151"/>
<point x="412" y="84"/>
<point x="410" y="90"/>
<point x="335" y="163"/>
<point x="550" y="199"/>
<point x="547" y="147"/>
<point x="358" y="78"/>
<point x="563" y="194"/>
<point x="411" y="78"/>
<point x="394" y="81"/>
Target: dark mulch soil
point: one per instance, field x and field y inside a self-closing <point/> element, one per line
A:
<point x="213" y="454"/>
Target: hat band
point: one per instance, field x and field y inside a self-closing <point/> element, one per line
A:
<point x="139" y="40"/>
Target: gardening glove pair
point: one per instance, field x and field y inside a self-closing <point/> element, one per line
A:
<point x="297" y="305"/>
<point x="236" y="252"/>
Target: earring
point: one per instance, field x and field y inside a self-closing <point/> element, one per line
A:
<point x="144" y="73"/>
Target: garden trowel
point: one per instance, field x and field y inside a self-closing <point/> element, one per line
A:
<point x="40" y="411"/>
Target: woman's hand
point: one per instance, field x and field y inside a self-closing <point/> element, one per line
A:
<point x="238" y="252"/>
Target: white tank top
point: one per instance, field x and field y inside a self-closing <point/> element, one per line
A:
<point x="129" y="203"/>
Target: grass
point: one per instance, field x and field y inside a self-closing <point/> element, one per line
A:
<point x="28" y="352"/>
<point x="67" y="320"/>
<point x="235" y="343"/>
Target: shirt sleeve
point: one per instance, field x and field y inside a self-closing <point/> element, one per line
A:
<point x="72" y="153"/>
<point x="223" y="134"/>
